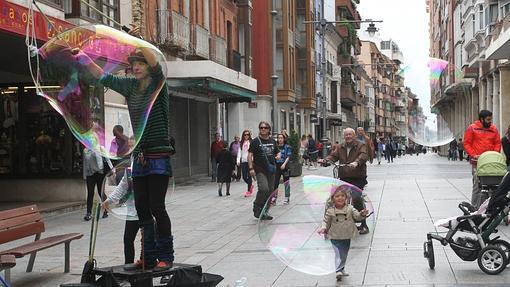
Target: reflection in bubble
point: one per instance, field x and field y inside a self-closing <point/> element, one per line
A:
<point x="76" y="92"/>
<point x="292" y="236"/>
<point x="427" y="127"/>
<point x="118" y="191"/>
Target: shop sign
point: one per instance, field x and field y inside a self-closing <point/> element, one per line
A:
<point x="314" y="119"/>
<point x="335" y="122"/>
<point x="14" y="18"/>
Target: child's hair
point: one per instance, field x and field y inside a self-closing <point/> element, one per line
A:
<point x="341" y="189"/>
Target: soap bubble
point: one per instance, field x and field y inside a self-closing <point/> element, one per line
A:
<point x="118" y="191"/>
<point x="292" y="236"/>
<point x="426" y="126"/>
<point x="98" y="111"/>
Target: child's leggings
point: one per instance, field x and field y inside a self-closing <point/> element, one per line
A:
<point x="341" y="250"/>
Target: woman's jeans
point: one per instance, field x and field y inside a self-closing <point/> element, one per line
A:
<point x="286" y="180"/>
<point x="246" y="174"/>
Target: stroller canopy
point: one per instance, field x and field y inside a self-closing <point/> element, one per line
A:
<point x="491" y="163"/>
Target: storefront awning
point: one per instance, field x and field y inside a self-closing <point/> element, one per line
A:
<point x="211" y="88"/>
<point x="208" y="79"/>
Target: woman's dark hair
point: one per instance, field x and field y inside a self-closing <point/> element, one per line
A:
<point x="242" y="137"/>
<point x="284" y="138"/>
<point x="483" y="114"/>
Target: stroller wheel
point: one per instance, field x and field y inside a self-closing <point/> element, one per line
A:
<point x="428" y="252"/>
<point x="503" y="245"/>
<point x="492" y="260"/>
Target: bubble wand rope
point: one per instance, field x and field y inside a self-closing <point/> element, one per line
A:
<point x="97" y="212"/>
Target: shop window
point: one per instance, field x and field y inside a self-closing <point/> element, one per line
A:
<point x="34" y="139"/>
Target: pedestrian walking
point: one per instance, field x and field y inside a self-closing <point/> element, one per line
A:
<point x="364" y="139"/>
<point x="380" y="149"/>
<point x="226" y="166"/>
<point x="216" y="146"/>
<point x="452" y="152"/>
<point x="262" y="157"/>
<point x="460" y="147"/>
<point x="93" y="174"/>
<point x="234" y="150"/>
<point x="339" y="226"/>
<point x="242" y="161"/>
<point x="505" y="142"/>
<point x="151" y="164"/>
<point x="480" y="136"/>
<point x="303" y="150"/>
<point x="282" y="168"/>
<point x="353" y="153"/>
<point x="313" y="152"/>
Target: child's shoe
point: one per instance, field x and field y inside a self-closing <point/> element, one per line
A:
<point x="286" y="200"/>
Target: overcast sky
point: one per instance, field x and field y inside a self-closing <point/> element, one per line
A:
<point x="406" y="22"/>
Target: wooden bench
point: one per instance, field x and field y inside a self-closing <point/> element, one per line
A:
<point x="6" y="263"/>
<point x="26" y="221"/>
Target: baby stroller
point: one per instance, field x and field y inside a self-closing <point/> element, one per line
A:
<point x="492" y="253"/>
<point x="490" y="169"/>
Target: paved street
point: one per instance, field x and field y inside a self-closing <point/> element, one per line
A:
<point x="221" y="234"/>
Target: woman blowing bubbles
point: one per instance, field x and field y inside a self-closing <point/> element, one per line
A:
<point x="151" y="164"/>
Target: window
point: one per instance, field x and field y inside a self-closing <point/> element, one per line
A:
<point x="109" y="8"/>
<point x="480" y="17"/>
<point x="505" y="9"/>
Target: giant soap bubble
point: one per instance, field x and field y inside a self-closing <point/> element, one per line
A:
<point x="292" y="236"/>
<point x="427" y="127"/>
<point x="69" y="82"/>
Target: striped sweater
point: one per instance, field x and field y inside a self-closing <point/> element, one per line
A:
<point x="155" y="138"/>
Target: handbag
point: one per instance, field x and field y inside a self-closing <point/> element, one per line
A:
<point x="271" y="168"/>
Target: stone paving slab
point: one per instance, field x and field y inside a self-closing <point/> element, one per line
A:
<point x="221" y="234"/>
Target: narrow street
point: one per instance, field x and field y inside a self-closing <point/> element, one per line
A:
<point x="221" y="234"/>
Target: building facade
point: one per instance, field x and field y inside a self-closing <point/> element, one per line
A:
<point x="208" y="49"/>
<point x="471" y="36"/>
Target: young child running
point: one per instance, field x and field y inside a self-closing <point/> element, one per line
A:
<point x="339" y="225"/>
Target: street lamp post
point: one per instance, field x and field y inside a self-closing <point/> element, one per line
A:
<point x="274" y="77"/>
<point x="323" y="23"/>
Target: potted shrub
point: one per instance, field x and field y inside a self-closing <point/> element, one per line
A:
<point x="295" y="167"/>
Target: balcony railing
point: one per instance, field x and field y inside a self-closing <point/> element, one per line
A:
<point x="174" y="30"/>
<point x="219" y="50"/>
<point x="201" y="41"/>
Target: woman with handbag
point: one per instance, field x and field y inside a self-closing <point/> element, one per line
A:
<point x="282" y="169"/>
<point x="242" y="160"/>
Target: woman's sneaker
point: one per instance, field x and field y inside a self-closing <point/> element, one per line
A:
<point x="286" y="201"/>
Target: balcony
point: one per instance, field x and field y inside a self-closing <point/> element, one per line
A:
<point x="200" y="42"/>
<point x="499" y="41"/>
<point x="218" y="50"/>
<point x="174" y="30"/>
<point x="347" y="95"/>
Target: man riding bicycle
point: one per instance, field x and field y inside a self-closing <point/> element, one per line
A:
<point x="353" y="153"/>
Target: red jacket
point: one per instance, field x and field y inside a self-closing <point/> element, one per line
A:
<point x="216" y="147"/>
<point x="478" y="139"/>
